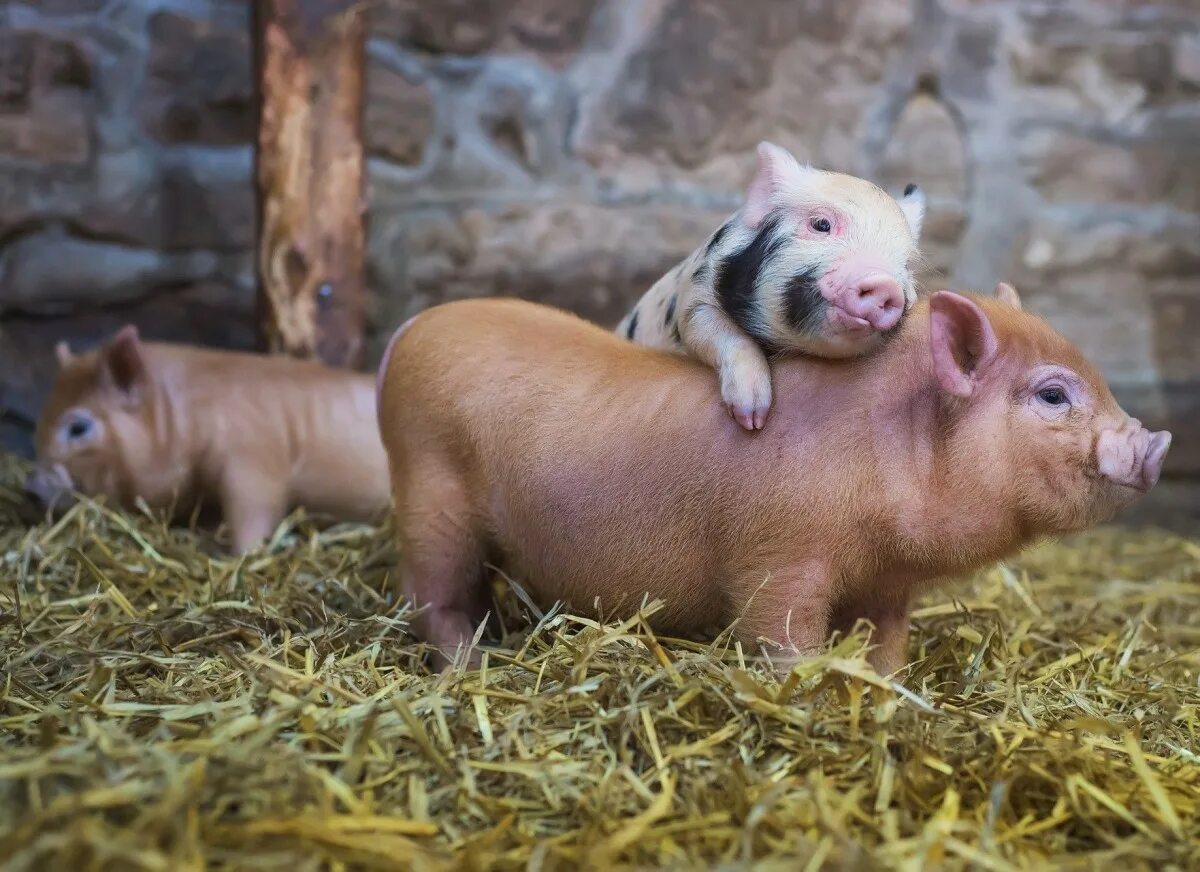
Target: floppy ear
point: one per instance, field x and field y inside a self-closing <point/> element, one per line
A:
<point x="912" y="204"/>
<point x="777" y="171"/>
<point x="963" y="342"/>
<point x="1006" y="293"/>
<point x="121" y="362"/>
<point x="62" y="353"/>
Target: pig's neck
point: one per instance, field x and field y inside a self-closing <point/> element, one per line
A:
<point x="181" y="440"/>
<point x="946" y="511"/>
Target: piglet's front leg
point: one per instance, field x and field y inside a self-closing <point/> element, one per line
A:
<point x="789" y="610"/>
<point x="890" y="653"/>
<point x="743" y="369"/>
<point x="889" y="634"/>
<point x="253" y="503"/>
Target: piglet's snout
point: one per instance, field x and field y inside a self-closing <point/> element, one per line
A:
<point x="1132" y="456"/>
<point x="48" y="485"/>
<point x="878" y="299"/>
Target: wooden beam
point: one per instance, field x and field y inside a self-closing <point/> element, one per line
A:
<point x="309" y="168"/>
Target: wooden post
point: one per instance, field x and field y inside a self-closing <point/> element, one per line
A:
<point x="309" y="167"/>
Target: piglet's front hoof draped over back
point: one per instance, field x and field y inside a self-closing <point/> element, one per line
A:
<point x="602" y="470"/>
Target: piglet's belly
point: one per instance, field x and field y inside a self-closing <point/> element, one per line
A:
<point x="599" y="588"/>
<point x="602" y="561"/>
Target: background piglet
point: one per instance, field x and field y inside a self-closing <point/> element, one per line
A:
<point x="600" y="471"/>
<point x="814" y="262"/>
<point x="179" y="427"/>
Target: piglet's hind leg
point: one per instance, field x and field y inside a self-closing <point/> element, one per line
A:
<point x="440" y="566"/>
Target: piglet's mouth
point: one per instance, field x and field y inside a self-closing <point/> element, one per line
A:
<point x="849" y="325"/>
<point x="854" y="328"/>
<point x="50" y="487"/>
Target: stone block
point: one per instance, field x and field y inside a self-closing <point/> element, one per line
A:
<point x="207" y="199"/>
<point x="45" y="107"/>
<point x="57" y="130"/>
<point x="52" y="272"/>
<point x="1065" y="166"/>
<point x="399" y="116"/>
<point x="551" y="29"/>
<point x="199" y="87"/>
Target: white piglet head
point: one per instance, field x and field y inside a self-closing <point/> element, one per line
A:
<point x="817" y="262"/>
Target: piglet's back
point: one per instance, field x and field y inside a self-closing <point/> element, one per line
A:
<point x="526" y="372"/>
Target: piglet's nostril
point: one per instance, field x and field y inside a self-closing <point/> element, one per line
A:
<point x="880" y="300"/>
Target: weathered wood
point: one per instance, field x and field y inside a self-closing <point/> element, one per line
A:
<point x="309" y="166"/>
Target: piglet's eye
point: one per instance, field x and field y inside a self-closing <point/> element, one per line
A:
<point x="77" y="427"/>
<point x="1052" y="396"/>
<point x="821" y="225"/>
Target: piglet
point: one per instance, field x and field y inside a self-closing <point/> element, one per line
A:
<point x="179" y="427"/>
<point x="598" y="471"/>
<point x="814" y="262"/>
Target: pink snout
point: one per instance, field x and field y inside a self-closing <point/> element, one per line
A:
<point x="50" y="486"/>
<point x="1132" y="456"/>
<point x="876" y="299"/>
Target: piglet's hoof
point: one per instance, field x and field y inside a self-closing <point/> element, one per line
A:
<point x="749" y="418"/>
<point x="747" y="396"/>
<point x="745" y="389"/>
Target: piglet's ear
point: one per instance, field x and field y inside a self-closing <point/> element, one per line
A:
<point x="777" y="172"/>
<point x="62" y="353"/>
<point x="912" y="204"/>
<point x="1006" y="293"/>
<point x="122" y="364"/>
<point x="963" y="342"/>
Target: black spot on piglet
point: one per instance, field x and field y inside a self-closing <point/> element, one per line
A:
<point x="804" y="306"/>
<point x="670" y="316"/>
<point x="737" y="275"/>
<point x="632" y="328"/>
<point x="909" y="188"/>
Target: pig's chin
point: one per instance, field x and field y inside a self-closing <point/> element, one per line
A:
<point x="1108" y="498"/>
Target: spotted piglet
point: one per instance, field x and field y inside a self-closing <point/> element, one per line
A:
<point x="815" y="262"/>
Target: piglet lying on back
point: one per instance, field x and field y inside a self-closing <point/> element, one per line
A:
<point x="595" y="469"/>
<point x="177" y="426"/>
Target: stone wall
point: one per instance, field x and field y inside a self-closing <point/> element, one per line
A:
<point x="572" y="150"/>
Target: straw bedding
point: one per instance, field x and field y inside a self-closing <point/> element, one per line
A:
<point x="167" y="708"/>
